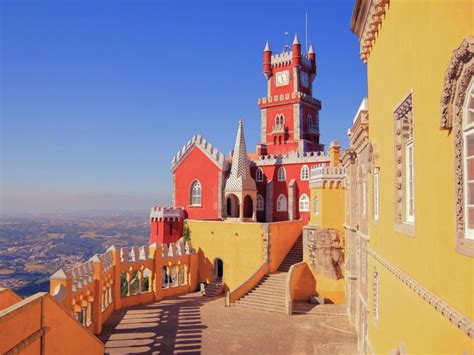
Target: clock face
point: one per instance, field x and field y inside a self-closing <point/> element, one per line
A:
<point x="304" y="79"/>
<point x="282" y="78"/>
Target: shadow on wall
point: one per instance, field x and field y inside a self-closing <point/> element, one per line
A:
<point x="169" y="327"/>
<point x="206" y="268"/>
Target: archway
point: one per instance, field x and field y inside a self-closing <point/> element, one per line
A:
<point x="219" y="269"/>
<point x="248" y="207"/>
<point x="233" y="209"/>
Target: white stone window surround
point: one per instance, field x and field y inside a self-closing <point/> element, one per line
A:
<point x="259" y="175"/>
<point x="281" y="174"/>
<point x="196" y="193"/>
<point x="304" y="203"/>
<point x="304" y="175"/>
<point x="279" y="123"/>
<point x="316" y="205"/>
<point x="410" y="183"/>
<point x="260" y="203"/>
<point x="282" y="203"/>
<point x="468" y="162"/>
<point x="376" y="194"/>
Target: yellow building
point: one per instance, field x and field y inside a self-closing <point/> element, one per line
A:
<point x="414" y="261"/>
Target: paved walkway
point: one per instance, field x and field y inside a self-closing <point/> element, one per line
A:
<point x="193" y="324"/>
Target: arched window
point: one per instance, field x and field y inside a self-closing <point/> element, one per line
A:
<point x="468" y="140"/>
<point x="282" y="203"/>
<point x="304" y="173"/>
<point x="259" y="175"/>
<point x="304" y="203"/>
<point x="279" y="122"/>
<point x="260" y="203"/>
<point x="281" y="174"/>
<point x="316" y="205"/>
<point x="196" y="193"/>
<point x="309" y="119"/>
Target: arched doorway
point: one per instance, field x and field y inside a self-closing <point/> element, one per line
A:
<point x="248" y="207"/>
<point x="219" y="269"/>
<point x="233" y="209"/>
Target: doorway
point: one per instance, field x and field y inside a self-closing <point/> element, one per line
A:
<point x="219" y="269"/>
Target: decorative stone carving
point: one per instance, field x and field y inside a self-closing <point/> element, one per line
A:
<point x="326" y="251"/>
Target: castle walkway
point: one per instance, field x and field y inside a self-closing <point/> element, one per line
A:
<point x="193" y="324"/>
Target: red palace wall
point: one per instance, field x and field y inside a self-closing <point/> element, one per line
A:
<point x="197" y="165"/>
<point x="165" y="231"/>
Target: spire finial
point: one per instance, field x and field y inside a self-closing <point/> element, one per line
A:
<point x="267" y="47"/>
<point x="296" y="41"/>
<point x="311" y="49"/>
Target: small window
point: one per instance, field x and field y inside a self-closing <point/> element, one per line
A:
<point x="260" y="203"/>
<point x="305" y="173"/>
<point x="279" y="122"/>
<point x="410" y="184"/>
<point x="316" y="205"/>
<point x="259" y="175"/>
<point x="196" y="193"/>
<point x="376" y="194"/>
<point x="282" y="203"/>
<point x="304" y="203"/>
<point x="281" y="174"/>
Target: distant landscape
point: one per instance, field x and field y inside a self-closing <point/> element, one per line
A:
<point x="32" y="248"/>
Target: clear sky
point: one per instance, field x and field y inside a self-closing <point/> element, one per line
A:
<point x="97" y="96"/>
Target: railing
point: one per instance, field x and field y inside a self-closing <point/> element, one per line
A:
<point x="329" y="172"/>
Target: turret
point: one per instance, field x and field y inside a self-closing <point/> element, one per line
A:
<point x="312" y="58"/>
<point x="296" y="51"/>
<point x="267" y="61"/>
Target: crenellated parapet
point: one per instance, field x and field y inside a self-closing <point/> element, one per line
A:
<point x="294" y="157"/>
<point x="288" y="98"/>
<point x="166" y="213"/>
<point x="207" y="148"/>
<point x="322" y="176"/>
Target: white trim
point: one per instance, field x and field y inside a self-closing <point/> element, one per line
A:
<point x="304" y="173"/>
<point x="281" y="174"/>
<point x="376" y="194"/>
<point x="282" y="203"/>
<point x="260" y="203"/>
<point x="410" y="182"/>
<point x="304" y="203"/>
<point x="468" y="131"/>
<point x="316" y="205"/>
<point x="259" y="174"/>
<point x="195" y="199"/>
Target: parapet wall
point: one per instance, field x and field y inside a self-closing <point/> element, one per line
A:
<point x="124" y="277"/>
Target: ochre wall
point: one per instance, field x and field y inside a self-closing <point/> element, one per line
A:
<point x="411" y="53"/>
<point x="197" y="165"/>
<point x="282" y="237"/>
<point x="331" y="207"/>
<point x="239" y="245"/>
<point x="302" y="284"/>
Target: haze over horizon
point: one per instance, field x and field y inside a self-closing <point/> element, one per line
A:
<point x="99" y="96"/>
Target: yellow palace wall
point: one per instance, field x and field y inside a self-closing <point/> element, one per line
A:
<point x="411" y="53"/>
<point x="331" y="208"/>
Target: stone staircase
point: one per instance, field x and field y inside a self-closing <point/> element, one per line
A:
<point x="214" y="289"/>
<point x="269" y="294"/>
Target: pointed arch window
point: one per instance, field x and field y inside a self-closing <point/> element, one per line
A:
<point x="260" y="203"/>
<point x="279" y="122"/>
<point x="281" y="174"/>
<point x="259" y="175"/>
<point x="304" y="173"/>
<point x="282" y="204"/>
<point x="196" y="193"/>
<point x="304" y="203"/>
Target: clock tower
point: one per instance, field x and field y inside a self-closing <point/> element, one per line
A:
<point x="289" y="113"/>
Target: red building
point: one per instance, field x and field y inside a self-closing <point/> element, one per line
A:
<point x="273" y="184"/>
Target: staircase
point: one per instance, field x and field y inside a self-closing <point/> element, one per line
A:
<point x="214" y="289"/>
<point x="269" y="294"/>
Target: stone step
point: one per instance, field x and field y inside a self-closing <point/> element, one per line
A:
<point x="262" y="303"/>
<point x="265" y="297"/>
<point x="265" y="309"/>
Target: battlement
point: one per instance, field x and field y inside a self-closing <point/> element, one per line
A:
<point x="294" y="96"/>
<point x="199" y="141"/>
<point x="166" y="213"/>
<point x="293" y="158"/>
<point x="320" y="175"/>
<point x="286" y="58"/>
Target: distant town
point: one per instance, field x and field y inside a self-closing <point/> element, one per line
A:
<point x="32" y="248"/>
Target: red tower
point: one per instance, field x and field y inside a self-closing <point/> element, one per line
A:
<point x="166" y="224"/>
<point x="289" y="113"/>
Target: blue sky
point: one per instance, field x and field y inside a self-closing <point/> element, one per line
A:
<point x="97" y="96"/>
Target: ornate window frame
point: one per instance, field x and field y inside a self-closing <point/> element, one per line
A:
<point x="304" y="203"/>
<point x="457" y="82"/>
<point x="304" y="173"/>
<point x="259" y="175"/>
<point x="282" y="203"/>
<point x="404" y="147"/>
<point x="281" y="174"/>
<point x="195" y="198"/>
